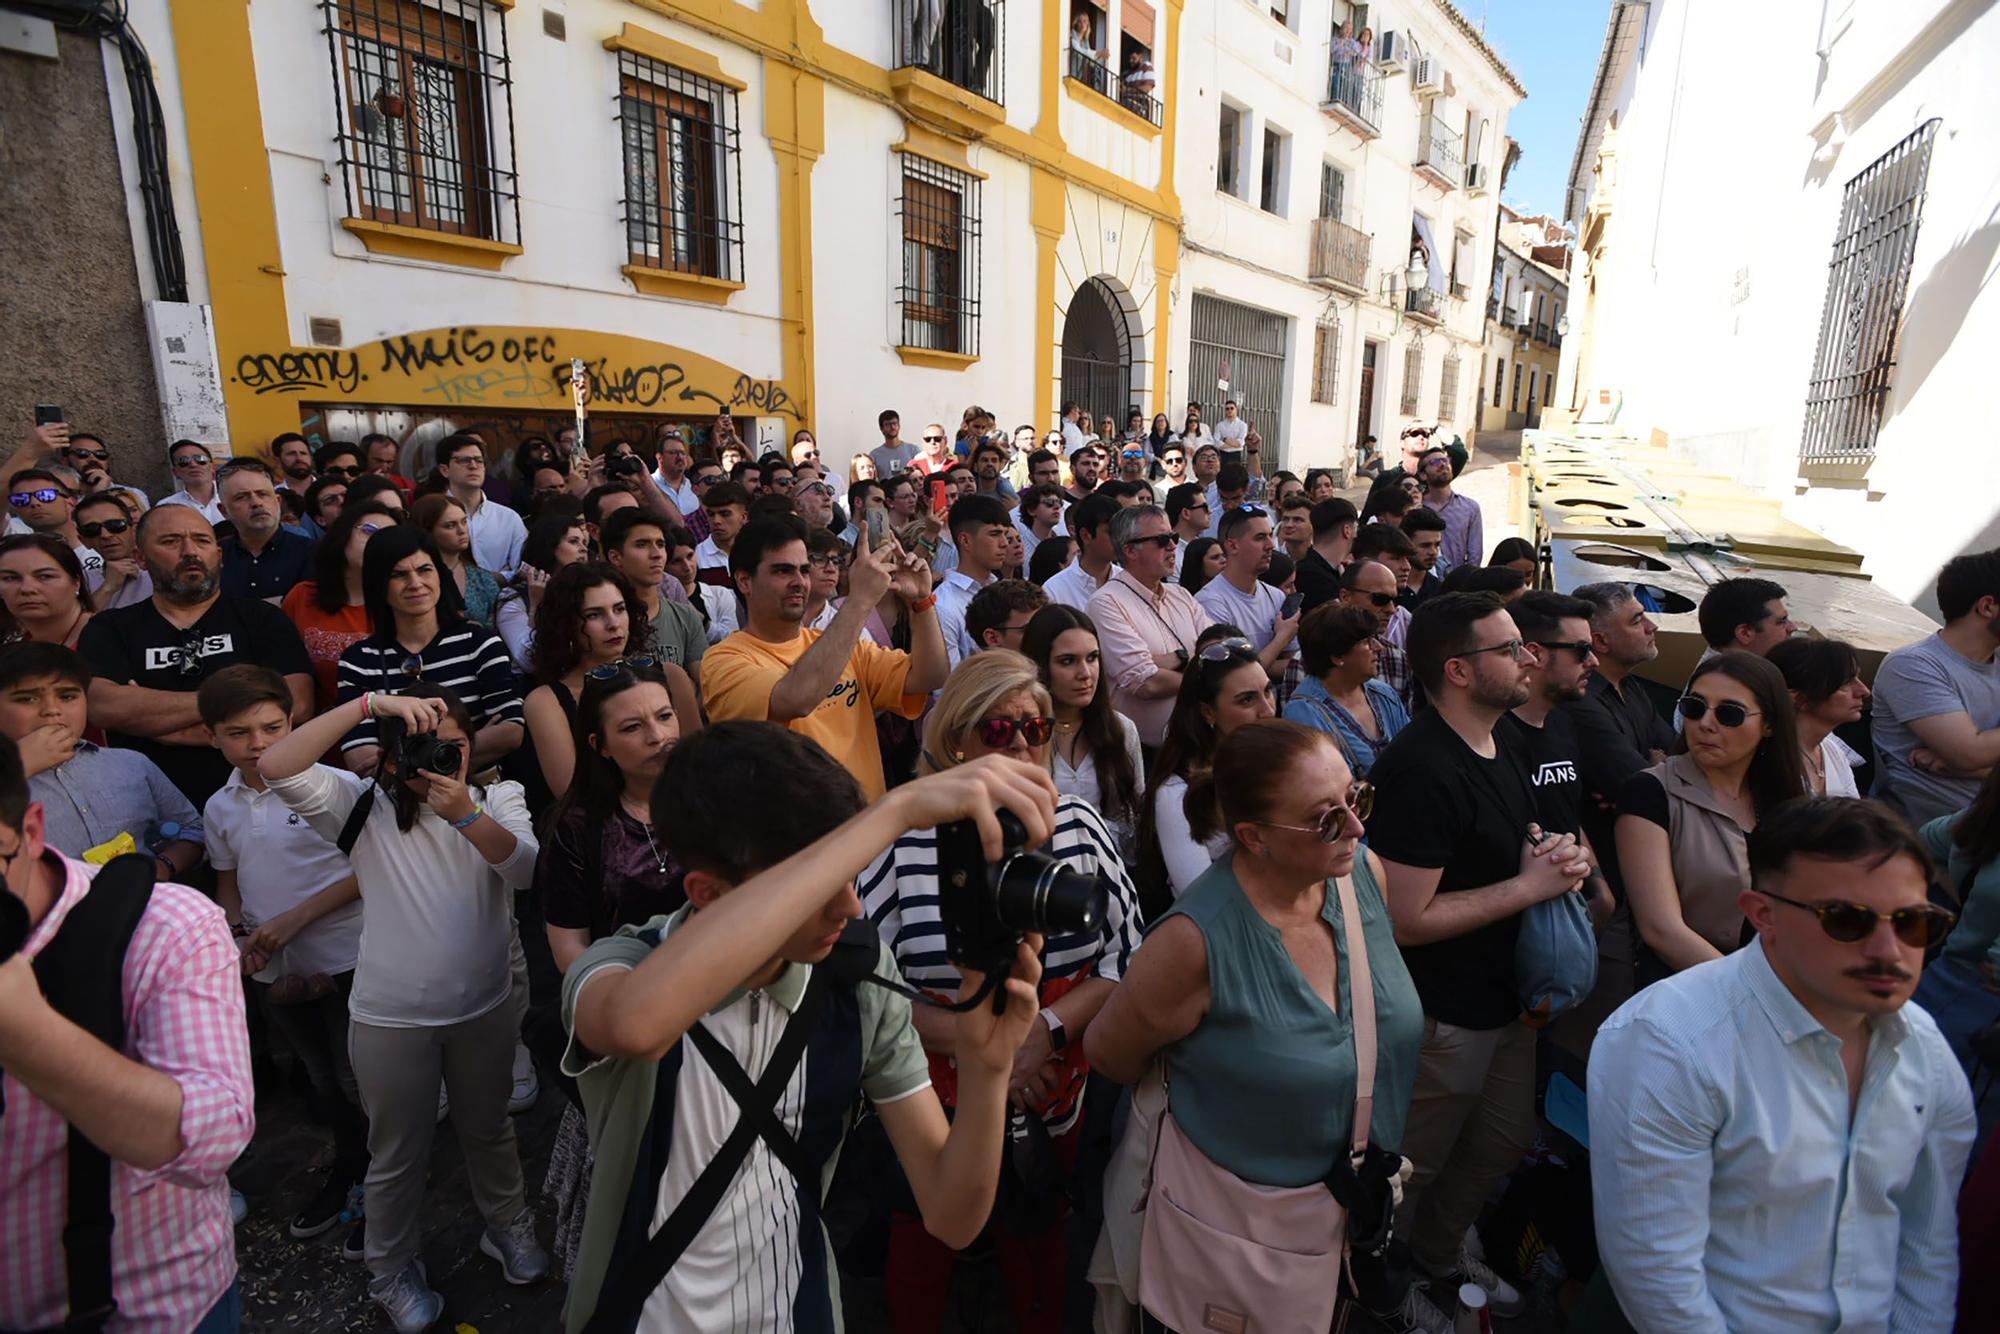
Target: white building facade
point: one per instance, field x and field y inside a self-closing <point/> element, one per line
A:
<point x="1788" y="217"/>
<point x="1524" y="321"/>
<point x="410" y="215"/>
<point x="1311" y="174"/>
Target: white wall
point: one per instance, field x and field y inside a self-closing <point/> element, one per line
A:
<point x="1233" y="51"/>
<point x="1725" y="209"/>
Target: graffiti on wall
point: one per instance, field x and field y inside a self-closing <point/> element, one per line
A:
<point x="469" y="366"/>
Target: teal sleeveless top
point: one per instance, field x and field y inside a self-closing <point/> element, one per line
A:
<point x="1265" y="1084"/>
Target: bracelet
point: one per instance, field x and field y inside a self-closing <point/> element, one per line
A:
<point x="477" y="811"/>
<point x="924" y="603"/>
<point x="367" y="701"/>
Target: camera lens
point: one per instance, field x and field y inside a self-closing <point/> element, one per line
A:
<point x="1032" y="891"/>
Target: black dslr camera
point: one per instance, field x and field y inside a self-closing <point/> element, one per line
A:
<point x="412" y="753"/>
<point x="988" y="907"/>
<point x="620" y="466"/>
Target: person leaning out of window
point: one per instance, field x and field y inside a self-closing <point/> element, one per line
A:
<point x="1682" y="824"/>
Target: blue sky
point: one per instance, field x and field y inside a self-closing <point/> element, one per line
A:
<point x="1552" y="47"/>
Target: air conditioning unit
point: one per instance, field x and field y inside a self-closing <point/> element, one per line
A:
<point x="1475" y="178"/>
<point x="1428" y="74"/>
<point x="1393" y="51"/>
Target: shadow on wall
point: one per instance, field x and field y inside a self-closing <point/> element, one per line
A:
<point x="1937" y="307"/>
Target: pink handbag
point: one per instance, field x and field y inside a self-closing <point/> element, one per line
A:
<point x="1220" y="1253"/>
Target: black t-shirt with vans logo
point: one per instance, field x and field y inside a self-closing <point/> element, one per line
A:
<point x="1549" y="753"/>
<point x="1441" y="805"/>
<point x="136" y="645"/>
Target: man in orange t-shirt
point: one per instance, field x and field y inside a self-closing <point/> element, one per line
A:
<point x="824" y="684"/>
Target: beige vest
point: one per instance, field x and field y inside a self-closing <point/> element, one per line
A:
<point x="1710" y="858"/>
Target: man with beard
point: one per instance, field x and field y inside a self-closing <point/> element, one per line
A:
<point x="150" y="658"/>
<point x="294" y="458"/>
<point x="1777" y="1138"/>
<point x="1464" y="855"/>
<point x="1084" y="467"/>
<point x="824" y="684"/>
<point x="260" y="559"/>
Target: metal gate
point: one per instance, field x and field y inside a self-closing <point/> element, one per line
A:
<point x="1097" y="357"/>
<point x="1244" y="346"/>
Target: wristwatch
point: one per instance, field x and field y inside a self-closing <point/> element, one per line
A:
<point x="1181" y="657"/>
<point x="1058" y="1039"/>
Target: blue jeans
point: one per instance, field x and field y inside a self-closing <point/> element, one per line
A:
<point x="226" y="1317"/>
<point x="1953" y="994"/>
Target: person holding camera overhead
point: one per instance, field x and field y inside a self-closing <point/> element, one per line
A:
<point x="1244" y="997"/>
<point x="438" y="860"/>
<point x="995" y="704"/>
<point x="419" y="634"/>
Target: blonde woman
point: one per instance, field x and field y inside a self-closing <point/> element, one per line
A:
<point x="994" y="703"/>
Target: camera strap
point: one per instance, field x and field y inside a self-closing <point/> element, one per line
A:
<point x="625" y="1293"/>
<point x="350" y="832"/>
<point x="82" y="973"/>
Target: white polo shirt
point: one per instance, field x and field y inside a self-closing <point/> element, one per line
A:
<point x="281" y="861"/>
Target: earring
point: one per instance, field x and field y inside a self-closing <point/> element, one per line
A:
<point x="958" y="755"/>
<point x="1340" y="662"/>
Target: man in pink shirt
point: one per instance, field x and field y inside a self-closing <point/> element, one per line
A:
<point x="170" y="1110"/>
<point x="1146" y="627"/>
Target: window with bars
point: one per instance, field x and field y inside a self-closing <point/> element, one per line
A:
<point x="1499" y="381"/>
<point x="1514" y="405"/>
<point x="1548" y="389"/>
<point x="940" y="292"/>
<point x="1326" y="362"/>
<point x="1448" y="389"/>
<point x="1866" y="282"/>
<point x="424" y="108"/>
<point x="683" y="169"/>
<point x="1413" y="377"/>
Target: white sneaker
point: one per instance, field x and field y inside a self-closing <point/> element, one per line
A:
<point x="1418" y="1314"/>
<point x="407" y="1299"/>
<point x="521" y="1257"/>
<point x="527" y="1085"/>
<point x="1503" y="1299"/>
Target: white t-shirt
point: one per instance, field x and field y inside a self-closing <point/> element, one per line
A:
<point x="1254" y="613"/>
<point x="437" y="930"/>
<point x="280" y="861"/>
<point x="1186" y="859"/>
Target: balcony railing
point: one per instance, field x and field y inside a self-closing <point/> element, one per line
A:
<point x="1541" y="332"/>
<point x="959" y="43"/>
<point x="1459" y="290"/>
<point x="1438" y="150"/>
<point x="1425" y="303"/>
<point x="1354" y="94"/>
<point x="1340" y="254"/>
<point x="1097" y="76"/>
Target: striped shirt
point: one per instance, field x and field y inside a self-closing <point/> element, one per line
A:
<point x="899" y="891"/>
<point x="173" y="1255"/>
<point x="467" y="659"/>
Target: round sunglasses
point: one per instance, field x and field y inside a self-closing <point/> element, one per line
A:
<point x="1851" y="923"/>
<point x="998" y="733"/>
<point x="1728" y="713"/>
<point x="1332" y="823"/>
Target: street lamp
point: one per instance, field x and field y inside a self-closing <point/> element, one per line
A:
<point x="1562" y="326"/>
<point x="1418" y="274"/>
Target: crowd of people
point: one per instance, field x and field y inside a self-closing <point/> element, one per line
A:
<point x="1443" y="959"/>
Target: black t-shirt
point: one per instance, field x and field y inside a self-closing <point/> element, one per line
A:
<point x="137" y="646"/>
<point x="1439" y="804"/>
<point x="1319" y="582"/>
<point x="1548" y="753"/>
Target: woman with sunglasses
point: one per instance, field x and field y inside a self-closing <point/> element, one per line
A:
<point x="445" y="520"/>
<point x="602" y="866"/>
<point x="328" y="609"/>
<point x="1243" y="995"/>
<point x="1201" y="561"/>
<point x="1824" y="676"/>
<point x="994" y="704"/>
<point x="1341" y="694"/>
<point x="584" y="626"/>
<point x="1096" y="750"/>
<point x="1180" y="829"/>
<point x="1682" y="823"/>
<point x="43" y="590"/>
<point x="552" y="543"/>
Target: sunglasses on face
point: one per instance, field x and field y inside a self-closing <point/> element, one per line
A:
<point x="40" y="496"/>
<point x="1580" y="647"/>
<point x="192" y="461"/>
<point x="641" y="662"/>
<point x="933" y="439"/>
<point x="1332" y="823"/>
<point x="340" y="470"/>
<point x="1377" y="599"/>
<point x="708" y="479"/>
<point x="996" y="733"/>
<point x="101" y="455"/>
<point x="1164" y="541"/>
<point x="103" y="526"/>
<point x="1851" y="923"/>
<point x="1727" y="714"/>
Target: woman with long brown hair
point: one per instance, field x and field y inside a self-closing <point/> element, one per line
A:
<point x="1096" y="748"/>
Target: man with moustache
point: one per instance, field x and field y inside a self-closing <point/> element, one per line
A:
<point x="1777" y="1139"/>
<point x="151" y="657"/>
<point x="294" y="460"/>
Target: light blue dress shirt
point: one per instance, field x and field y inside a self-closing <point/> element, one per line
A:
<point x="1733" y="1190"/>
<point x="101" y="792"/>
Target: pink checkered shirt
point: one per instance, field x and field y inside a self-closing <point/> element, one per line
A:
<point x="173" y="1254"/>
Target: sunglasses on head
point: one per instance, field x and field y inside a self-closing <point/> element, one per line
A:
<point x="78" y="452"/>
<point x="995" y="733"/>
<point x="1222" y="650"/>
<point x="639" y="662"/>
<point x="103" y="526"/>
<point x="1728" y="713"/>
<point x="1851" y="923"/>
<point x="1332" y="823"/>
<point x="41" y="495"/>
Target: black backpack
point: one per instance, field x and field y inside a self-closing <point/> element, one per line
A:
<point x="82" y="973"/>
